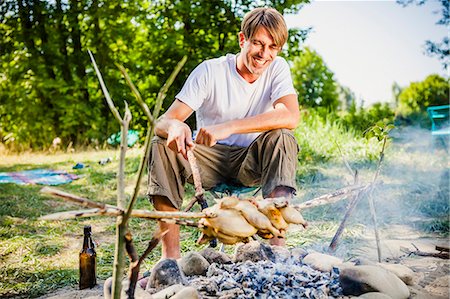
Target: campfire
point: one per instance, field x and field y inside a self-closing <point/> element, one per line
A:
<point x="257" y="270"/>
<point x="276" y="277"/>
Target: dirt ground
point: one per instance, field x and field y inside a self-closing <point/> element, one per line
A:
<point x="431" y="275"/>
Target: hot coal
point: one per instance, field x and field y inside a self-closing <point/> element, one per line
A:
<point x="266" y="279"/>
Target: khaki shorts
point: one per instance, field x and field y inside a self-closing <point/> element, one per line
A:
<point x="270" y="161"/>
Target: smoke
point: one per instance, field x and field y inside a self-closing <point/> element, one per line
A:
<point x="412" y="200"/>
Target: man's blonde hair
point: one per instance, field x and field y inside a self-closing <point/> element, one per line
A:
<point x="268" y="18"/>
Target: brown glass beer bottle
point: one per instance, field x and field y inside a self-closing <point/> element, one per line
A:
<point x="88" y="256"/>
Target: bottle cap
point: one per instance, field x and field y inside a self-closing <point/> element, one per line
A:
<point x="87" y="229"/>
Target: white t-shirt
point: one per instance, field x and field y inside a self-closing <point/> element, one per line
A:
<point x="217" y="93"/>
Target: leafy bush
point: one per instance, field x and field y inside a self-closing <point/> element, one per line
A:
<point x="414" y="99"/>
<point x="360" y="119"/>
<point x="323" y="139"/>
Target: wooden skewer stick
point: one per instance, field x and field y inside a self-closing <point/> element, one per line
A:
<point x="331" y="197"/>
<point x="101" y="209"/>
<point x="197" y="183"/>
<point x="117" y="212"/>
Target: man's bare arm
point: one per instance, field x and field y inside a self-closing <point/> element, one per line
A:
<point x="172" y="127"/>
<point x="285" y="115"/>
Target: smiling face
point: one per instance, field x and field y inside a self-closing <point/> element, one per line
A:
<point x="257" y="53"/>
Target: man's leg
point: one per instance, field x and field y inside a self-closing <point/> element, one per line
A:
<point x="171" y="241"/>
<point x="168" y="173"/>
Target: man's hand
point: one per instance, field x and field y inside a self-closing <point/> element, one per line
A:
<point x="179" y="138"/>
<point x="211" y="134"/>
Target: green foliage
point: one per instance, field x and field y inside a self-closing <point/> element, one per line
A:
<point x="47" y="85"/>
<point x="414" y="99"/>
<point x="314" y="82"/>
<point x="321" y="138"/>
<point x="380" y="131"/>
<point x="360" y="119"/>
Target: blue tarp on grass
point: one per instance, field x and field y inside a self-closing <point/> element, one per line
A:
<point x="38" y="176"/>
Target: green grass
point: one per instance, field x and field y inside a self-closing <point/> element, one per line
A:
<point x="38" y="256"/>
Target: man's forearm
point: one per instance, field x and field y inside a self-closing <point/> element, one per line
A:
<point x="280" y="118"/>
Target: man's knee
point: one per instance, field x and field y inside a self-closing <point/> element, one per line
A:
<point x="162" y="203"/>
<point x="277" y="133"/>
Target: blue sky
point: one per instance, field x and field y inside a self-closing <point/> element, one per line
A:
<point x="371" y="44"/>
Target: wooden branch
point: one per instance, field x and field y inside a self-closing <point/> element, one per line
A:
<point x="331" y="197"/>
<point x="353" y="203"/>
<point x="108" y="210"/>
<point x="354" y="173"/>
<point x="151" y="123"/>
<point x="136" y="261"/>
<point x="137" y="95"/>
<point x="73" y="198"/>
<point x="152" y="244"/>
<point x="341" y="227"/>
<point x="115" y="212"/>
<point x="105" y="90"/>
<point x="134" y="265"/>
<point x="371" y="201"/>
<point x="141" y="171"/>
<point x="441" y="255"/>
<point x="195" y="173"/>
<point x="197" y="183"/>
<point x="375" y="224"/>
<point x="442" y="248"/>
<point x="163" y="91"/>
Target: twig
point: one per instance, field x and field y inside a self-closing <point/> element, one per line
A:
<point x="341" y="227"/>
<point x="137" y="94"/>
<point x="162" y="92"/>
<point x="105" y="90"/>
<point x="134" y="265"/>
<point x="136" y="261"/>
<point x="331" y="197"/>
<point x="375" y="224"/>
<point x="441" y="255"/>
<point x="371" y="201"/>
<point x="353" y="203"/>
<point x="442" y="248"/>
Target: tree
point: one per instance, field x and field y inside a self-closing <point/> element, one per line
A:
<point x="414" y="99"/>
<point x="313" y="80"/>
<point x="47" y="86"/>
<point x="347" y="98"/>
<point x="439" y="49"/>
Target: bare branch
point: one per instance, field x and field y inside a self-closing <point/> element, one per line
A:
<point x="137" y="94"/>
<point x="331" y="197"/>
<point x="105" y="90"/>
<point x="115" y="212"/>
<point x="162" y="92"/>
<point x="74" y="198"/>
